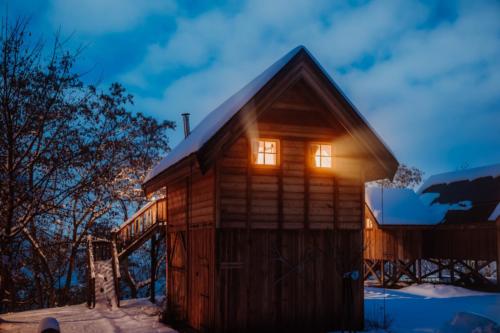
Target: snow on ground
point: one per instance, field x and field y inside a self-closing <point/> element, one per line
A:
<point x="137" y="315"/>
<point x="417" y="308"/>
<point x="426" y="307"/>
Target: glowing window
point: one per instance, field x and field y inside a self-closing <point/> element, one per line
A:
<point x="369" y="223"/>
<point x="265" y="152"/>
<point x="322" y="153"/>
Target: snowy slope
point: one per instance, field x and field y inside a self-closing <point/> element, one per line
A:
<point x="426" y="307"/>
<point x="134" y="316"/>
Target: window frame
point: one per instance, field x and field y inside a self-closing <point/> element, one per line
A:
<point x="253" y="153"/>
<point x="312" y="156"/>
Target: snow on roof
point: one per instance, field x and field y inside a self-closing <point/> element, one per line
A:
<point x="455" y="176"/>
<point x="495" y="214"/>
<point x="396" y="206"/>
<point x="402" y="206"/>
<point x="209" y="126"/>
<point x="221" y="115"/>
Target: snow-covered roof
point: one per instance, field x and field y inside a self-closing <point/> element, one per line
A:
<point x="466" y="174"/>
<point x="402" y="206"/>
<point x="217" y="118"/>
<point x="399" y="206"/>
<point x="220" y="116"/>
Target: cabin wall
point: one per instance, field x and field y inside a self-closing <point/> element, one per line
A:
<point x="190" y="241"/>
<point x="470" y="241"/>
<point x="285" y="238"/>
<point x="392" y="243"/>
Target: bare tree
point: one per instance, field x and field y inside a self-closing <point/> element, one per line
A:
<point x="405" y="177"/>
<point x="71" y="159"/>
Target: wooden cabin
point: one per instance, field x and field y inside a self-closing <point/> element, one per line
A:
<point x="447" y="232"/>
<point x="265" y="206"/>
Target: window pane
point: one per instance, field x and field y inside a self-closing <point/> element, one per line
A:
<point x="270" y="159"/>
<point x="261" y="146"/>
<point x="326" y="150"/>
<point x="270" y="147"/>
<point x="326" y="162"/>
<point x="317" y="161"/>
<point x="260" y="158"/>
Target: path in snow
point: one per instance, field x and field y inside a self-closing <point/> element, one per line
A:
<point x="136" y="315"/>
<point x="427" y="307"/>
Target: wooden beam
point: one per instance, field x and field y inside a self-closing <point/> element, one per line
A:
<point x="153" y="269"/>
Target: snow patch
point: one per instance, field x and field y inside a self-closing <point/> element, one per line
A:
<point x="134" y="316"/>
<point x="440" y="291"/>
<point x="395" y="206"/>
<point x="402" y="206"/>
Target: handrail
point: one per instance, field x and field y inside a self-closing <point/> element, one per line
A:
<point x="141" y="221"/>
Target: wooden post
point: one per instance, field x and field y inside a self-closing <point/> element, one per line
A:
<point x="382" y="272"/>
<point x="153" y="268"/>
<point x="419" y="273"/>
<point x="440" y="274"/>
<point x="452" y="270"/>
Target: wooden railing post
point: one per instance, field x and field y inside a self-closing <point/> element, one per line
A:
<point x="153" y="269"/>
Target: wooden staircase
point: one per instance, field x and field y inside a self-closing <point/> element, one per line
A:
<point x="104" y="284"/>
<point x="104" y="255"/>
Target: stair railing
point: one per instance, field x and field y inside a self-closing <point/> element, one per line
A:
<point x="141" y="222"/>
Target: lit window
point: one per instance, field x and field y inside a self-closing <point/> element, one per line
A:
<point x="265" y="152"/>
<point x="369" y="223"/>
<point x="322" y="153"/>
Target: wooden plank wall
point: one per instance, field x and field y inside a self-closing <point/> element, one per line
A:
<point x="286" y="237"/>
<point x="471" y="241"/>
<point x="190" y="231"/>
<point x="405" y="243"/>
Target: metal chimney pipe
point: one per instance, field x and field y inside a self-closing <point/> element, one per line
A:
<point x="187" y="130"/>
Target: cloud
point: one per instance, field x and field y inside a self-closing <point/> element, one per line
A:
<point x="423" y="81"/>
<point x="104" y="16"/>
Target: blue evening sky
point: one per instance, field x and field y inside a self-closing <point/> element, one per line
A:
<point x="426" y="74"/>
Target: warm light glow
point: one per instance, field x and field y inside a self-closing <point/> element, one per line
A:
<point x="322" y="155"/>
<point x="265" y="152"/>
<point x="369" y="223"/>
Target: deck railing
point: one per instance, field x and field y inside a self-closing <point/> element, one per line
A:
<point x="151" y="214"/>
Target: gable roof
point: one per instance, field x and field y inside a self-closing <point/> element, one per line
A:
<point x="219" y="117"/>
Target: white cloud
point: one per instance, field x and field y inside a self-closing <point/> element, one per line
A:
<point x="424" y="87"/>
<point x="104" y="16"/>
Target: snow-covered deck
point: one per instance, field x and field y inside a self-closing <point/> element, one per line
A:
<point x="134" y="316"/>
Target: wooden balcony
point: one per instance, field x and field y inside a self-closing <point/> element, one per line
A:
<point x="139" y="228"/>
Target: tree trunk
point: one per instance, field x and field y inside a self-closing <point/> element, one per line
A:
<point x="129" y="279"/>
